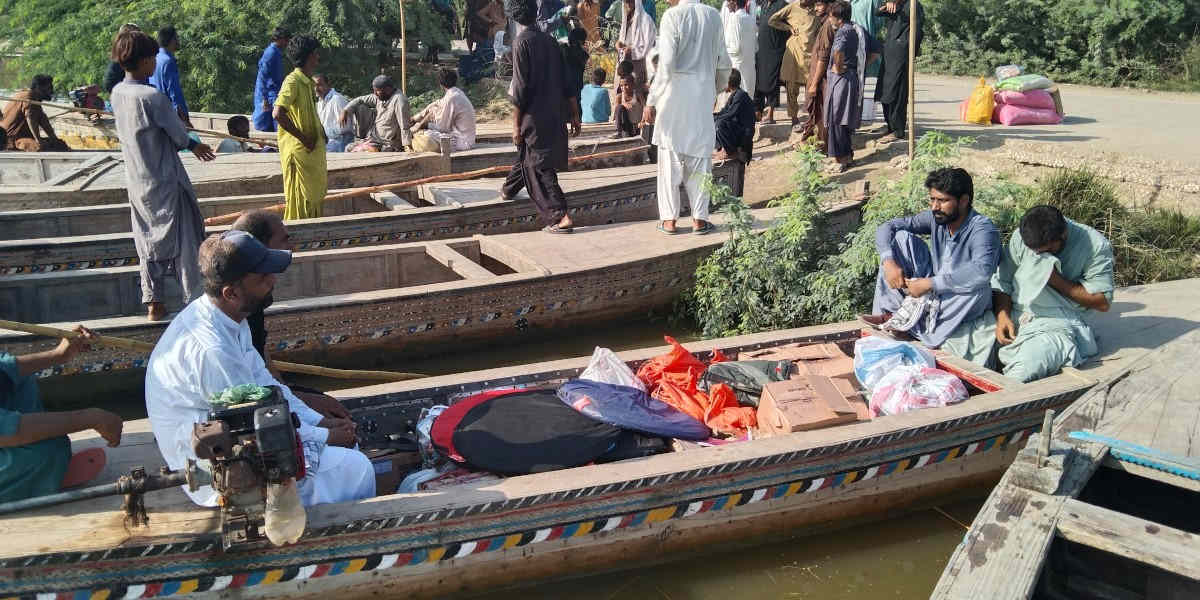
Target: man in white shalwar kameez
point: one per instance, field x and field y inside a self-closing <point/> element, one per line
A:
<point x="741" y="40"/>
<point x="692" y="65"/>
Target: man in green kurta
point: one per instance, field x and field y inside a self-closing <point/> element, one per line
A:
<point x="35" y="453"/>
<point x="301" y="134"/>
<point x="1052" y="273"/>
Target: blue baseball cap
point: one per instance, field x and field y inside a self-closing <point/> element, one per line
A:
<point x="252" y="256"/>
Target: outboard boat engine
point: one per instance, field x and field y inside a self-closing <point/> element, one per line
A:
<point x="255" y="459"/>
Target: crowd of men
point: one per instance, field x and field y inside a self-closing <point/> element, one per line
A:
<point x="1017" y="308"/>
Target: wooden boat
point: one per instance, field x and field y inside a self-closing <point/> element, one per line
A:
<point x="83" y="134"/>
<point x="442" y="211"/>
<point x="566" y="523"/>
<point x="1101" y="506"/>
<point x="49" y="168"/>
<point x="410" y="299"/>
<point x="99" y="183"/>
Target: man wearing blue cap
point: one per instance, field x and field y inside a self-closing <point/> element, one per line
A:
<point x="208" y="349"/>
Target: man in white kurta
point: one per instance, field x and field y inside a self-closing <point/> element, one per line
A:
<point x="692" y="65"/>
<point x="741" y="40"/>
<point x="208" y="349"/>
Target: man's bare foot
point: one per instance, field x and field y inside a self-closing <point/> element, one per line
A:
<point x="155" y="311"/>
<point x="566" y="223"/>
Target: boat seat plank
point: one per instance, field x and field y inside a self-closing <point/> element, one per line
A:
<point x="454" y="260"/>
<point x="1136" y="539"/>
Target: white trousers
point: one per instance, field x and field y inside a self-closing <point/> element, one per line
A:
<point x="691" y="171"/>
<point x="337" y="475"/>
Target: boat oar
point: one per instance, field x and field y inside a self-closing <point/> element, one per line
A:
<point x="363" y="191"/>
<point x="93" y="111"/>
<point x="147" y="347"/>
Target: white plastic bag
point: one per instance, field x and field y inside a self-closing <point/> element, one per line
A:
<point x="875" y="357"/>
<point x="429" y="455"/>
<point x="605" y="367"/>
<point x="914" y="387"/>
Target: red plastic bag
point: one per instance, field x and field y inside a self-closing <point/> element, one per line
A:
<point x="678" y="367"/>
<point x="680" y="399"/>
<point x="723" y="412"/>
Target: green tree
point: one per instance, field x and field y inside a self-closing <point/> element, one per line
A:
<point x="222" y="39"/>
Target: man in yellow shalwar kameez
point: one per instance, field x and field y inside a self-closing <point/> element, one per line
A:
<point x="301" y="135"/>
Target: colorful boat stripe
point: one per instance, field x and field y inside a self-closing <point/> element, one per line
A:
<point x="455" y="550"/>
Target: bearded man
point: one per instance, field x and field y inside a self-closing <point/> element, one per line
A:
<point x="941" y="293"/>
<point x="208" y="348"/>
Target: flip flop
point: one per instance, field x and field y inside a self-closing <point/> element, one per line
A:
<point x="556" y="229"/>
<point x="667" y="231"/>
<point x="704" y="229"/>
<point x="84" y="467"/>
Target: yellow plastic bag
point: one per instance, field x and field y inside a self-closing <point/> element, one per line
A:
<point x="980" y="104"/>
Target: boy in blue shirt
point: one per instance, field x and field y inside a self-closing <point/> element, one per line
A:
<point x="597" y="107"/>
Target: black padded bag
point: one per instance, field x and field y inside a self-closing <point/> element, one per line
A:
<point x="531" y="432"/>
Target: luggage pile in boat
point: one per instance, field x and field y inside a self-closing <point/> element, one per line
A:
<point x="674" y="402"/>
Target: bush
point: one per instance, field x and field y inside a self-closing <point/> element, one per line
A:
<point x="798" y="272"/>
<point x="1107" y="42"/>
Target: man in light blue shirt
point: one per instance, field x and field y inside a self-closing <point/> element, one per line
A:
<point x="597" y="107"/>
<point x="166" y="71"/>
<point x="951" y="275"/>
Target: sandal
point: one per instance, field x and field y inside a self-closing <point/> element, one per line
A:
<point x="556" y="229"/>
<point x="706" y="228"/>
<point x="667" y="231"/>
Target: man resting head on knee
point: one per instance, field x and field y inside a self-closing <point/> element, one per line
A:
<point x="208" y="349"/>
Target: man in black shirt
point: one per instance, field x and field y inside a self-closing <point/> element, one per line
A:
<point x="268" y="228"/>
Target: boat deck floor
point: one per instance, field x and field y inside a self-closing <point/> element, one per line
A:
<point x="1142" y="318"/>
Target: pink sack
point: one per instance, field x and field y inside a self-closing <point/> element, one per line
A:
<point x="1011" y="114"/>
<point x="913" y="387"/>
<point x="1030" y="99"/>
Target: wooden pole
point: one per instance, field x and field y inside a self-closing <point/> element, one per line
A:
<point x="403" y="52"/>
<point x="147" y="347"/>
<point x="226" y="219"/>
<point x="93" y="111"/>
<point x="912" y="79"/>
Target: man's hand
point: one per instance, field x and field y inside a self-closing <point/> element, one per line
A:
<point x="517" y="139"/>
<point x="918" y="287"/>
<point x="1006" y="330"/>
<point x="328" y="406"/>
<point x="576" y="128"/>
<point x="649" y="115"/>
<point x="69" y="348"/>
<point x="343" y="117"/>
<point x="108" y="425"/>
<point x="341" y="432"/>
<point x="893" y="275"/>
<point x="266" y="106"/>
<point x="310" y="142"/>
<point x="203" y="152"/>
<point x="889" y="7"/>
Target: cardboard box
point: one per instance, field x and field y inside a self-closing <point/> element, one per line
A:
<point x="796" y="352"/>
<point x="813" y="402"/>
<point x="852" y="393"/>
<point x="391" y="468"/>
<point x="842" y="367"/>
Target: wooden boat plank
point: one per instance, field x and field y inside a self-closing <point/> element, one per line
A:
<point x="456" y="261"/>
<point x="1149" y="543"/>
<point x="997" y="549"/>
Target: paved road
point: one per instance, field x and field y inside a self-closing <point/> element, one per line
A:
<point x="1154" y="125"/>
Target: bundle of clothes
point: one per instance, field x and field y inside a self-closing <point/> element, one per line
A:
<point x="673" y="401"/>
<point x="1016" y="99"/>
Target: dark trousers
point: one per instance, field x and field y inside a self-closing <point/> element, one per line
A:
<point x="625" y="125"/>
<point x="896" y="113"/>
<point x="764" y="99"/>
<point x="542" y="181"/>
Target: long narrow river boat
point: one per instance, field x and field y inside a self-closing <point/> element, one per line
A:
<point x="473" y="537"/>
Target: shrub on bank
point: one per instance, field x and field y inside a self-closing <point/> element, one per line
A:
<point x="800" y="272"/>
<point x="1143" y="43"/>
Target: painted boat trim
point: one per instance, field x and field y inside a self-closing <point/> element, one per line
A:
<point x="444" y="552"/>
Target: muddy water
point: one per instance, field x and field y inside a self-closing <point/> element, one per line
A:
<point x="897" y="559"/>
